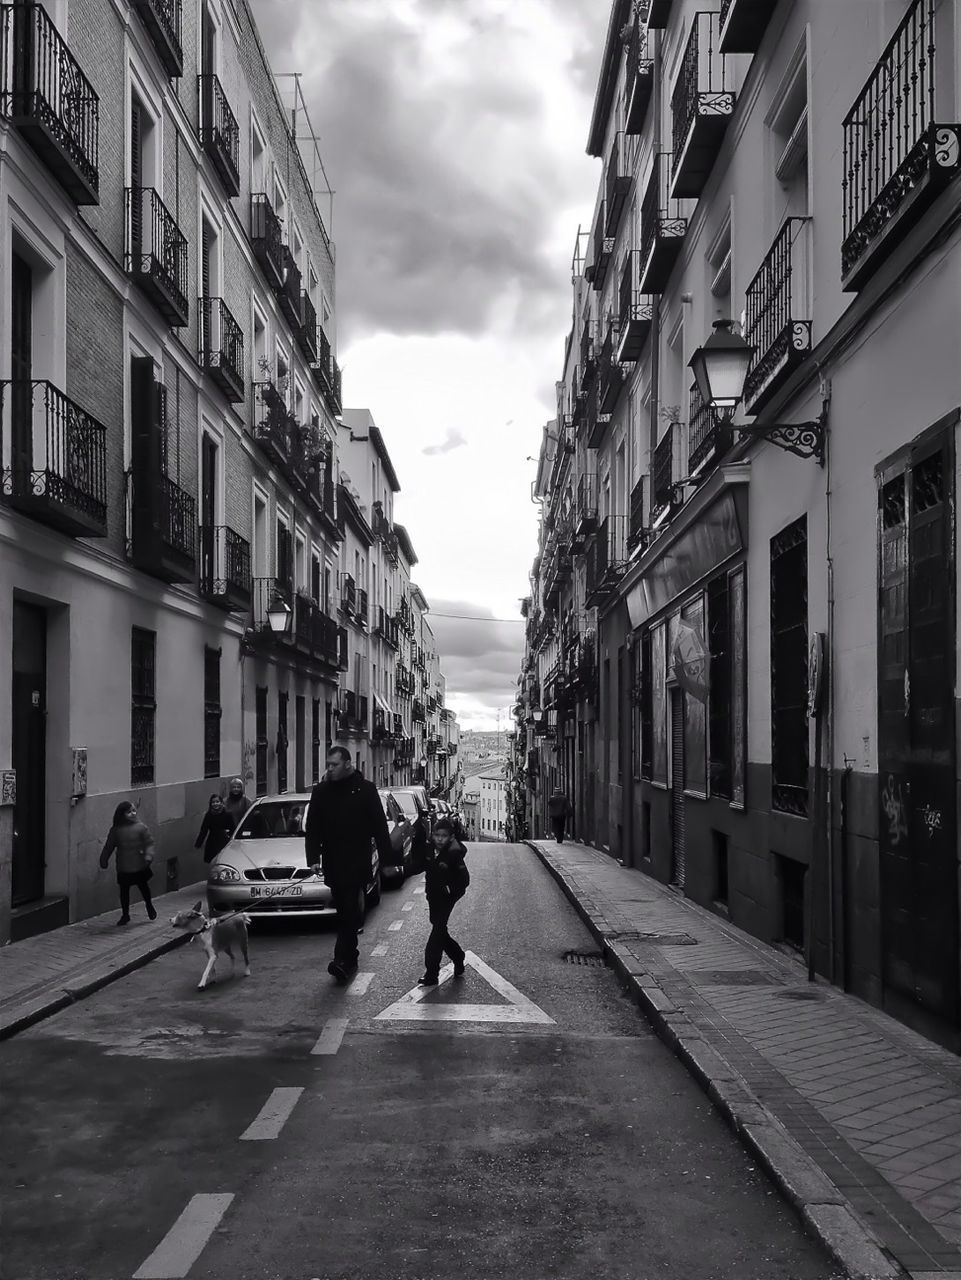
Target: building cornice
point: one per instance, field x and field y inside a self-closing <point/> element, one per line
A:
<point x="607" y="82"/>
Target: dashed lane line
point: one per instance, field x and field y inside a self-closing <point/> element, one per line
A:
<point x="380" y="949"/>
<point x="331" y="1036"/>
<point x="273" y="1115"/>
<point x="359" y="984"/>
<point x="408" y="906"/>
<point x="185" y="1241"/>
<point x="395" y="924"/>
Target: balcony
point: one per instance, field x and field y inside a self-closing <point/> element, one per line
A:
<point x="362" y="608"/>
<point x="219" y="132"/>
<point x="289" y="293"/>
<point x="348" y="595"/>
<point x="588" y="361"/>
<point x="603" y="244"/>
<point x="263" y="591"/>
<point x="637" y="531"/>
<point x="222" y="348"/>
<point x="418" y="711"/>
<point x="617" y="185"/>
<point x="635" y="311"/>
<point x="663" y="228"/>
<point x="353" y="716"/>
<point x="225" y="568"/>
<point x="708" y="437"/>
<point x="386" y="628"/>
<point x="57" y="471"/>
<point x="155" y="254"/>
<point x="658" y="14"/>
<point x="307" y="332"/>
<point x="162" y="19"/>
<point x="272" y="423"/>
<point x="640" y="80"/>
<point x="702" y="105"/>
<point x="743" y="23"/>
<point x="662" y="477"/>
<point x="266" y="240"/>
<point x="320" y="366"/>
<point x="585" y="509"/>
<point x="335" y="396"/>
<point x="778" y="313"/>
<point x="896" y="158"/>
<point x="606" y="559"/>
<point x="164" y="542"/>
<point x="47" y="97"/>
<point x="610" y="376"/>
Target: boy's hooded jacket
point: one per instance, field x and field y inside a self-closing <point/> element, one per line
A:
<point x="446" y="872"/>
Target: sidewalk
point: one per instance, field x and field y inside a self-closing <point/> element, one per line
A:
<point x="856" y="1118"/>
<point x="40" y="975"/>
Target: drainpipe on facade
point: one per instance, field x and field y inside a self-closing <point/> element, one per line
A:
<point x="829" y="696"/>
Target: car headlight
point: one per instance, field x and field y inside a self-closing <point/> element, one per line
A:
<point x="223" y="875"/>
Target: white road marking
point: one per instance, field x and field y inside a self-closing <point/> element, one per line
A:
<point x="380" y="949"/>
<point x="520" y="1009"/>
<point x="396" y="924"/>
<point x="420" y="889"/>
<point x="359" y="984"/>
<point x="408" y="906"/>
<point x="184" y="1242"/>
<point x="273" y="1115"/>
<point x="330" y="1036"/>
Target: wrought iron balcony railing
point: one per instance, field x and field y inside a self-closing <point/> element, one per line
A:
<point x="335" y="393"/>
<point x="603" y="247"/>
<point x="263" y="593"/>
<point x="219" y="132"/>
<point x="386" y="627"/>
<point x="635" y="310"/>
<point x="636" y="530"/>
<point x="156" y="254"/>
<point x="362" y="608"/>
<point x="225" y="567"/>
<point x="266" y="239"/>
<point x="272" y="422"/>
<point x="320" y="366"/>
<point x="896" y="157"/>
<point x="708" y="435"/>
<point x="418" y="711"/>
<point x="702" y="105"/>
<point x="663" y="227"/>
<point x="662" y="475"/>
<point x="307" y="332"/>
<point x="164" y="540"/>
<point x="348" y="594"/>
<point x="606" y="557"/>
<point x="588" y="362"/>
<point x="289" y="292"/>
<point x="610" y="372"/>
<point x="585" y="508"/>
<point x="47" y="97"/>
<point x="778" y="313"/>
<point x="222" y="347"/>
<point x="57" y="470"/>
<point x="617" y="184"/>
<point x="163" y="21"/>
<point x="743" y="23"/>
<point x="640" y="79"/>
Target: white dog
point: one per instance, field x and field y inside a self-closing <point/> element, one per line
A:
<point x="217" y="937"/>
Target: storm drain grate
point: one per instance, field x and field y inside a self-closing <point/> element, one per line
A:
<point x="731" y="978"/>
<point x="594" y="958"/>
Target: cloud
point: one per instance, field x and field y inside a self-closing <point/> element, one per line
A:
<point x="454" y="440"/>
<point x="481" y="656"/>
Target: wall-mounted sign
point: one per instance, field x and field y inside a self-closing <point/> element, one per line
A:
<point x="8" y="787"/>
<point x="78" y="775"/>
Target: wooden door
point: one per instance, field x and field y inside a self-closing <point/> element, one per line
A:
<point x="28" y="755"/>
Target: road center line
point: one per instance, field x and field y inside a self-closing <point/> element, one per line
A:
<point x="408" y="906"/>
<point x="184" y="1242"/>
<point x="420" y="889"/>
<point x="380" y="949"/>
<point x="273" y="1115"/>
<point x="360" y="983"/>
<point x="396" y="924"/>
<point x="330" y="1036"/>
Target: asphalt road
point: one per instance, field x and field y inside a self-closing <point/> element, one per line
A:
<point x="247" y="1132"/>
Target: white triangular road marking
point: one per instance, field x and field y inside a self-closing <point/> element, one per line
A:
<point x="409" y="1008"/>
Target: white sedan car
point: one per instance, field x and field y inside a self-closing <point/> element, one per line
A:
<point x="264" y="867"/>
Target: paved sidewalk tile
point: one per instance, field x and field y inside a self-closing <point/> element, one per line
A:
<point x="42" y="974"/>
<point x="876" y="1107"/>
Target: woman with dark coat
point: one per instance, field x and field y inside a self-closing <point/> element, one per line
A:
<point x="215" y="830"/>
<point x="236" y="803"/>
<point x="133" y="844"/>
<point x="446" y="878"/>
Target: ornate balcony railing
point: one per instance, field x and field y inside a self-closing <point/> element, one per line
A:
<point x="663" y="227"/>
<point x="362" y="608"/>
<point x="320" y="366"/>
<point x="386" y="627"/>
<point x="708" y="436"/>
<point x="225" y="567"/>
<point x="272" y="422"/>
<point x="57" y="471"/>
<point x="603" y="247"/>
<point x="778" y="313"/>
<point x="222" y="347"/>
<point x="418" y="711"/>
<point x="662" y="474"/>
<point x="307" y="332"/>
<point x="702" y="105"/>
<point x="335" y="394"/>
<point x="636" y="530"/>
<point x="617" y="184"/>
<point x="48" y="98"/>
<point x="610" y="374"/>
<point x="640" y="79"/>
<point x="896" y="157"/>
<point x="289" y="293"/>
<point x="743" y="23"/>
<point x="635" y="310"/>
<point x="585" y="506"/>
<point x="164" y="540"/>
<point x="606" y="557"/>
<point x="219" y="131"/>
<point x="266" y="239"/>
<point x="588" y="362"/>
<point x="348" y="594"/>
<point x="156" y="254"/>
<point x="163" y="21"/>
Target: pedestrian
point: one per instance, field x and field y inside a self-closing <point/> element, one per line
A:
<point x="216" y="829"/>
<point x="560" y="809"/>
<point x="446" y="880"/>
<point x="343" y="816"/>
<point x="236" y="802"/>
<point x="133" y="844"/>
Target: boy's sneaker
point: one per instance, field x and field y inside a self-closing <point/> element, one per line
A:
<point x="427" y="981"/>
<point x="123" y="920"/>
<point x="151" y="913"/>
<point x="342" y="972"/>
<point x="459" y="966"/>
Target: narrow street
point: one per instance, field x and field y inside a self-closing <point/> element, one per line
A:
<point x="568" y="1143"/>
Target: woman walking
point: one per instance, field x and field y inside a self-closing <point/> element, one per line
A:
<point x="236" y="803"/>
<point x="133" y="844"/>
<point x="215" y="830"/>
<point x="447" y="878"/>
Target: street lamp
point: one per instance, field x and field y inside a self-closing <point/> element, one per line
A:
<point x="720" y="369"/>
<point x="279" y="614"/>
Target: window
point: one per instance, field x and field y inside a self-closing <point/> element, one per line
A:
<point x="788" y="124"/>
<point x="258" y="159"/>
<point x="261" y="736"/>
<point x="212" y="712"/>
<point x="315" y="741"/>
<point x="143" y="704"/>
<point x="789" y="669"/>
<point x="285" y="558"/>
<point x="281" y="740"/>
<point x="719" y="273"/>
<point x="719" y="645"/>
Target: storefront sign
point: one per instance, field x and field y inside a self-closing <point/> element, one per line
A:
<point x="698" y="551"/>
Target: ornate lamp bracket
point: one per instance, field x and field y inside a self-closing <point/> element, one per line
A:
<point x="805" y="439"/>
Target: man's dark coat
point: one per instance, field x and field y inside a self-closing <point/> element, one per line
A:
<point x="342" y="819"/>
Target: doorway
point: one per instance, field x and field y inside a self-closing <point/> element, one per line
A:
<point x="21" y="372"/>
<point x="300" y="744"/>
<point x="29" y="750"/>
<point x="208" y="514"/>
<point x="678" y="814"/>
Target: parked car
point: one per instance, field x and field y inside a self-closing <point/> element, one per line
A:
<point x="264" y="867"/>
<point x="414" y="802"/>
<point x="442" y="808"/>
<point x="401" y="838"/>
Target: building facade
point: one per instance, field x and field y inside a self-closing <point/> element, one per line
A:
<point x="767" y="714"/>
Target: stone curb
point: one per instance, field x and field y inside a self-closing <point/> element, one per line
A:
<point x="823" y="1209"/>
<point x="44" y="1006"/>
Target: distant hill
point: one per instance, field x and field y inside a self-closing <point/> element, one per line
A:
<point x="483" y="743"/>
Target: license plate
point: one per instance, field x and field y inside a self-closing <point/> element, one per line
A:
<point x="276" y="891"/>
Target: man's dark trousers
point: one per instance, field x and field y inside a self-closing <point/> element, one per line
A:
<point x="440" y="940"/>
<point x="348" y="901"/>
<point x="558" y="825"/>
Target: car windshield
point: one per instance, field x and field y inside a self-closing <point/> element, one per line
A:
<point x="407" y="803"/>
<point x="273" y="818"/>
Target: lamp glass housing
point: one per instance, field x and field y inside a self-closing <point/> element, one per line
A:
<point x="721" y="367"/>
<point x="278" y="615"/>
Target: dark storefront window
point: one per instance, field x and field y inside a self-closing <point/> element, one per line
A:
<point x="211" y="712"/>
<point x="719" y="644"/>
<point x="282" y="740"/>
<point x="789" y="669"/>
<point x="143" y="704"/>
<point x="315" y="741"/>
<point x="261" y="735"/>
<point x="639" y="708"/>
<point x="738" y="687"/>
<point x="659" y="704"/>
<point x="647" y="741"/>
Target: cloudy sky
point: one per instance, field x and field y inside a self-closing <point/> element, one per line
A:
<point x="453" y="134"/>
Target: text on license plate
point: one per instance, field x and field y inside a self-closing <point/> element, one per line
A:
<point x="273" y="891"/>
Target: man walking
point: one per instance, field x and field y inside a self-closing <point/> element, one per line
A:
<point x="559" y="809"/>
<point x="344" y="815"/>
